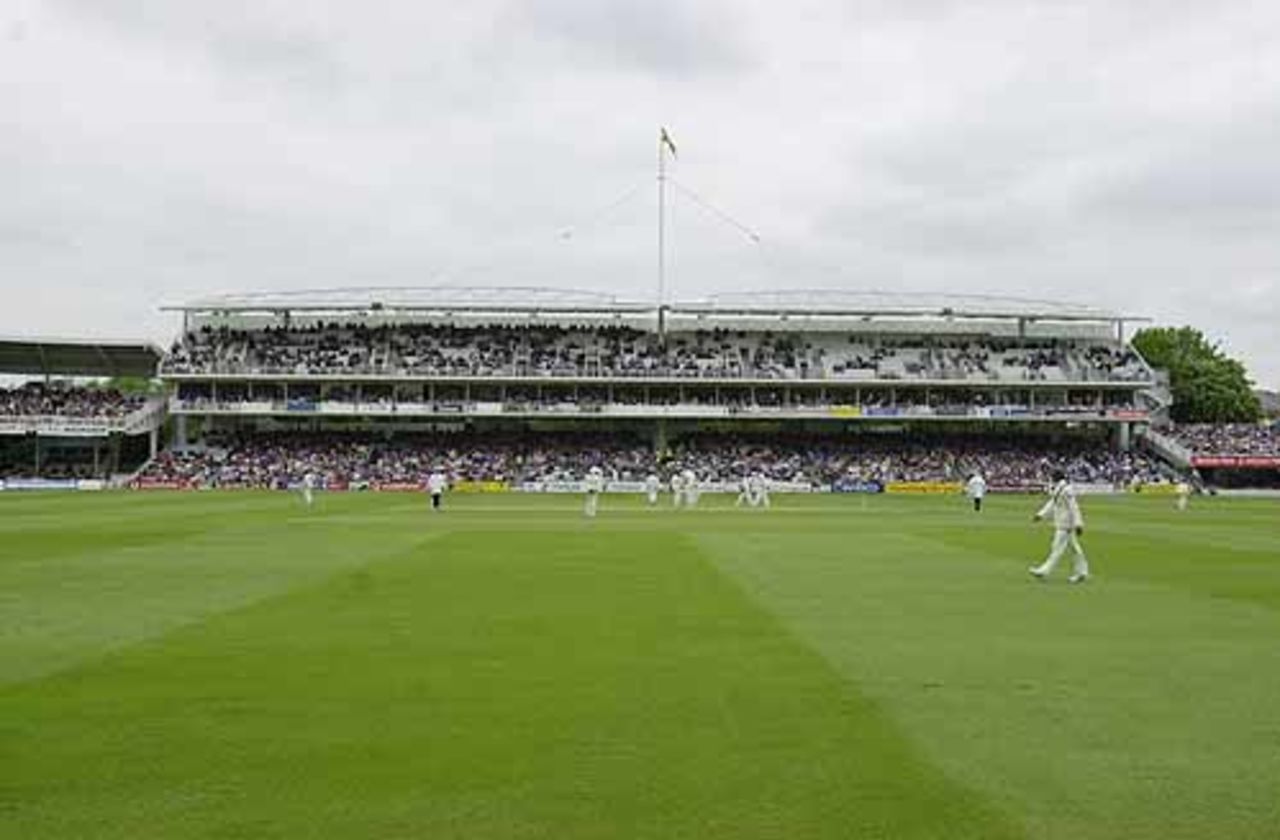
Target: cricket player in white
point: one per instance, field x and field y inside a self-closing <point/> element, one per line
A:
<point x="652" y="484"/>
<point x="436" y="483"/>
<point x="976" y="488"/>
<point x="689" y="484"/>
<point x="1068" y="525"/>
<point x="745" y="496"/>
<point x="1183" y="489"/>
<point x="595" y="486"/>
<point x="677" y="489"/>
<point x="759" y="490"/>
<point x="308" y="488"/>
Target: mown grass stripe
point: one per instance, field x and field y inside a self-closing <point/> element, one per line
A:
<point x="519" y="684"/>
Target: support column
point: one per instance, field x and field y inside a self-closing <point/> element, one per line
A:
<point x="154" y="442"/>
<point x="180" y="431"/>
<point x="1124" y="436"/>
<point x="660" y="436"/>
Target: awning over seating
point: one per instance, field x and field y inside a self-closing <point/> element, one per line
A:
<point x="78" y="357"/>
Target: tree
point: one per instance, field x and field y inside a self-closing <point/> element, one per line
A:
<point x="1208" y="386"/>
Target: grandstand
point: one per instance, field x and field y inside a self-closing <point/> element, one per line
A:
<point x="420" y="372"/>
<point x="55" y="430"/>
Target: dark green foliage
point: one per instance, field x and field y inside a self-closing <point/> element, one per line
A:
<point x="1208" y="386"/>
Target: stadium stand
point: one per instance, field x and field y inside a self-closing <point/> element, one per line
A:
<point x="368" y="385"/>
<point x="55" y="430"/>
<point x="1228" y="439"/>
<point x="336" y="349"/>
<point x="36" y="399"/>
<point x="282" y="459"/>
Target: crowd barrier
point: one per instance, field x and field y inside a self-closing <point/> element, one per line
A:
<point x="18" y="484"/>
<point x="847" y="485"/>
<point x="1237" y="461"/>
<point x="704" y="488"/>
<point x="481" y="487"/>
<point x="918" y="487"/>
<point x="1166" y="489"/>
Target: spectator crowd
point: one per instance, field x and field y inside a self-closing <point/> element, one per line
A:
<point x="623" y="352"/>
<point x="1228" y="438"/>
<point x="36" y="399"/>
<point x="275" y="460"/>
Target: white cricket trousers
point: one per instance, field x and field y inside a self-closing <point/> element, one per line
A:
<point x="593" y="502"/>
<point x="1061" y="540"/>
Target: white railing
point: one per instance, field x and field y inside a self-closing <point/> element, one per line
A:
<point x="1168" y="448"/>
<point x="52" y="424"/>
<point x="474" y="408"/>
<point x="148" y="417"/>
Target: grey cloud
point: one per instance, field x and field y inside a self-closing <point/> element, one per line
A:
<point x="1113" y="154"/>
<point x="670" y="38"/>
<point x="237" y="36"/>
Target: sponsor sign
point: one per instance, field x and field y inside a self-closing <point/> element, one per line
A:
<point x="844" y="410"/>
<point x="1161" y="489"/>
<point x="791" y="487"/>
<point x="923" y="487"/>
<point x="1017" y="487"/>
<point x="879" y="411"/>
<point x="40" y="484"/>
<point x="398" y="486"/>
<point x="481" y="487"/>
<point x="1096" y="489"/>
<point x="856" y="485"/>
<point x="552" y="486"/>
<point x="1237" y="461"/>
<point x="91" y="484"/>
<point x="1127" y="414"/>
<point x="625" y="487"/>
<point x="157" y="484"/>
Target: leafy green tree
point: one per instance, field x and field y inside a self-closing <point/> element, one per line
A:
<point x="1208" y="386"/>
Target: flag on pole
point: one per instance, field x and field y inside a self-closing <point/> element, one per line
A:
<point x="665" y="140"/>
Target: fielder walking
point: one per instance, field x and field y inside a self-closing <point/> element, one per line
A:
<point x="976" y="489"/>
<point x="436" y="482"/>
<point x="309" y="483"/>
<point x="594" y="487"/>
<point x="652" y="484"/>
<point x="1183" y="490"/>
<point x="1068" y="525"/>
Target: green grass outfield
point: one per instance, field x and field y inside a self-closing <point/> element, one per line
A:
<point x="230" y="665"/>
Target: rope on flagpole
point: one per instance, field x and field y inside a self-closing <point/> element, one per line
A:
<point x="561" y="233"/>
<point x="715" y="211"/>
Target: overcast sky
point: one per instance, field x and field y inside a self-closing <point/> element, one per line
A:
<point x="1118" y="153"/>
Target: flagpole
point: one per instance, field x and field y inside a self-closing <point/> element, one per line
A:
<point x="662" y="226"/>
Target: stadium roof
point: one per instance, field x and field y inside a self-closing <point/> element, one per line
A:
<point x="908" y="304"/>
<point x="78" y="357"/>
<point x="810" y="302"/>
<point x="415" y="299"/>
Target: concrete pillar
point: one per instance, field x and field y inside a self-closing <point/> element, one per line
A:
<point x="660" y="436"/>
<point x="180" y="431"/>
<point x="154" y="441"/>
<point x="1124" y="437"/>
